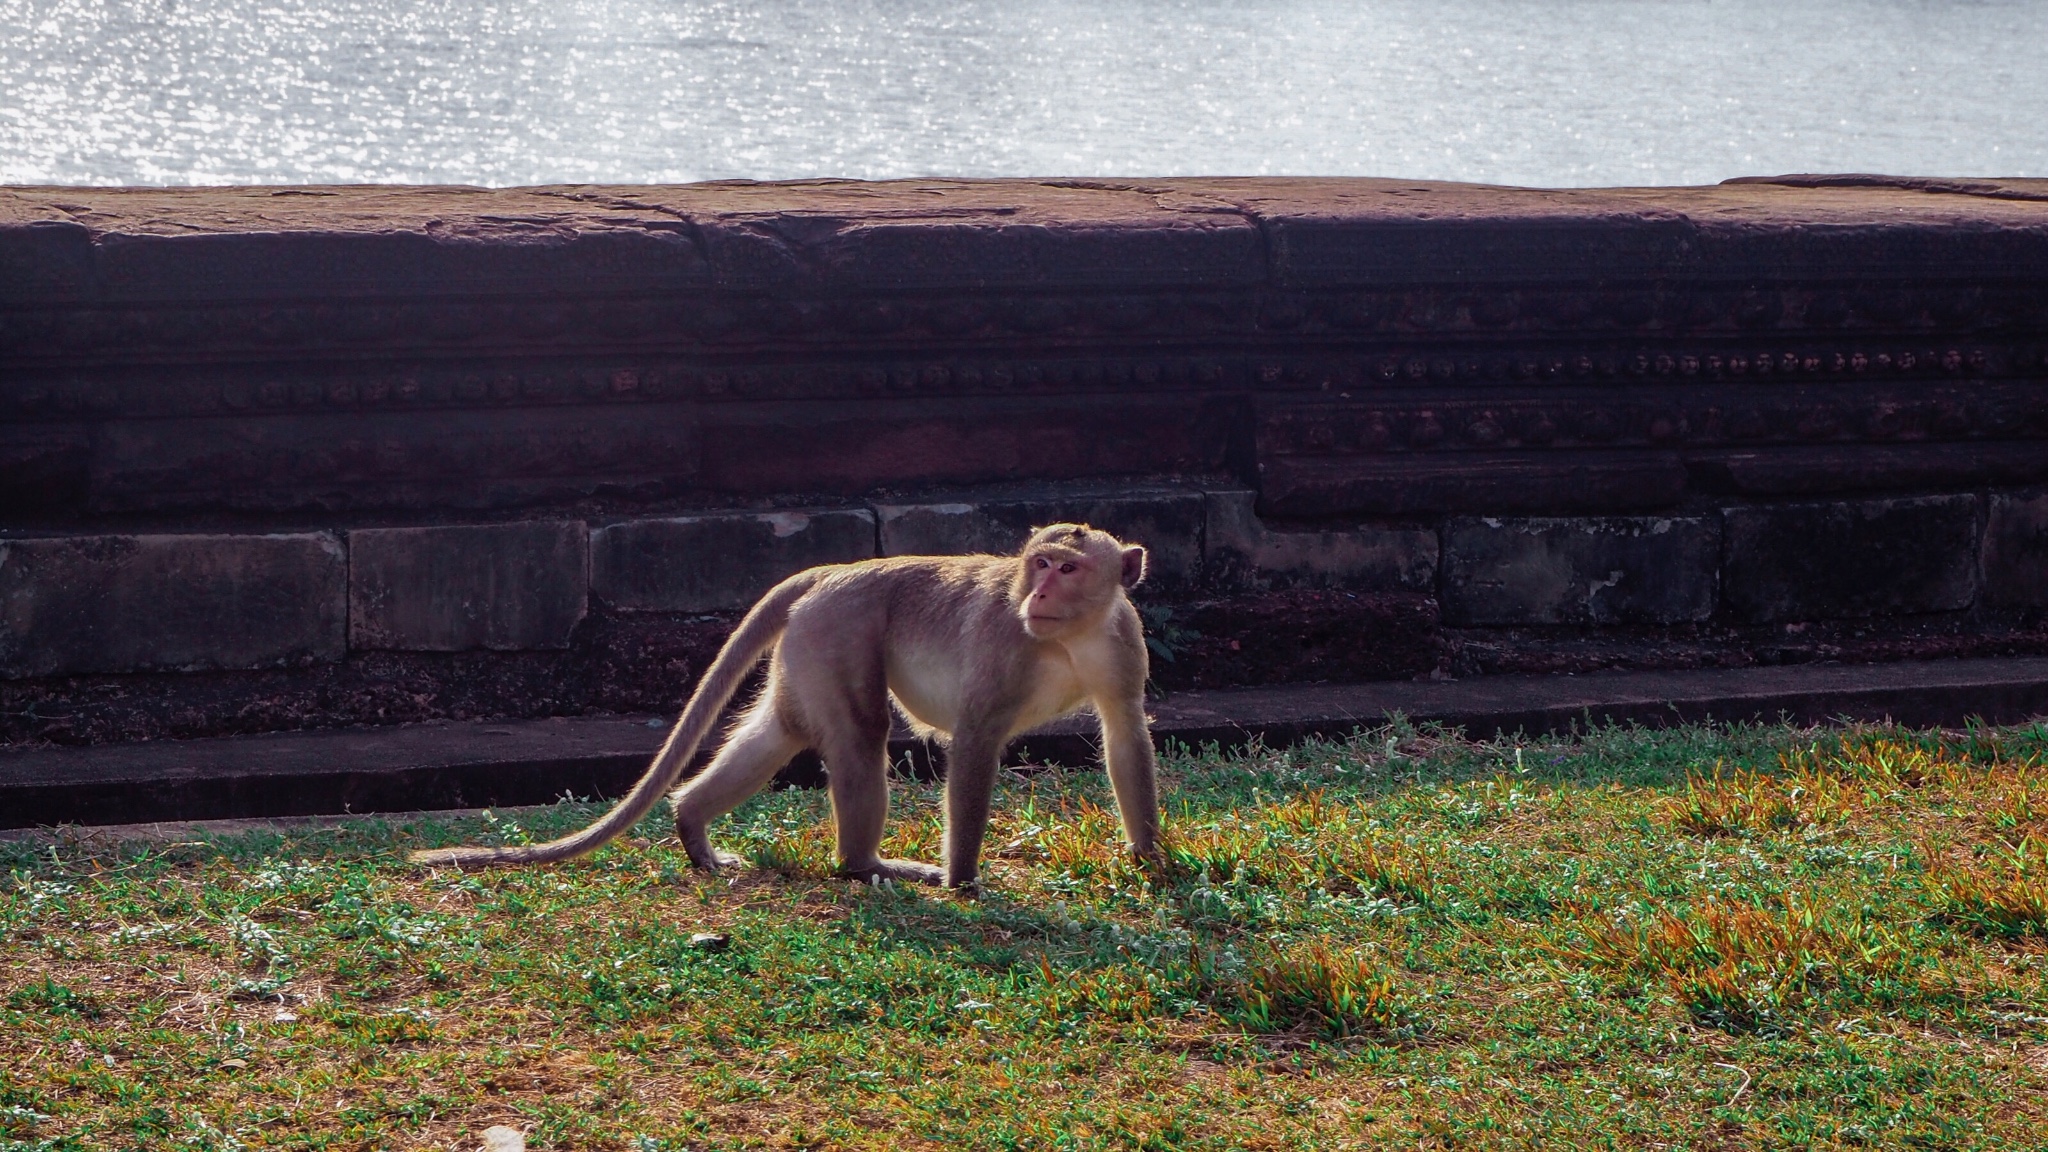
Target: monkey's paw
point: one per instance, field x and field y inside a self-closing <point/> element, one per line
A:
<point x="902" y="871"/>
<point x="715" y="860"/>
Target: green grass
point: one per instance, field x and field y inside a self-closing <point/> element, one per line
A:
<point x="1696" y="938"/>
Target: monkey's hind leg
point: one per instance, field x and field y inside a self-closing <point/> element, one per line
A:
<point x="857" y="771"/>
<point x="756" y="750"/>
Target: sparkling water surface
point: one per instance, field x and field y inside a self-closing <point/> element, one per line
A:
<point x="506" y="92"/>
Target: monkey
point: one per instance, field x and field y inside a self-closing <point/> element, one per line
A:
<point x="972" y="649"/>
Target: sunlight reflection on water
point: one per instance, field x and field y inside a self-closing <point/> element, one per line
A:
<point x="498" y="92"/>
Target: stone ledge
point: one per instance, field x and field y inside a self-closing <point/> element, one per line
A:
<point x="1589" y="482"/>
<point x="389" y="459"/>
<point x="529" y="762"/>
<point x="439" y="765"/>
<point x="1293" y="636"/>
<point x="525" y="585"/>
<point x="1367" y="348"/>
<point x="125" y="246"/>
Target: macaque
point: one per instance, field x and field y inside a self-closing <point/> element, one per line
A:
<point x="975" y="649"/>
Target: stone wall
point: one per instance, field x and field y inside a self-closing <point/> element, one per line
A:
<point x="280" y="428"/>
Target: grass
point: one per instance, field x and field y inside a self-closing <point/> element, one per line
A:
<point x="1697" y="938"/>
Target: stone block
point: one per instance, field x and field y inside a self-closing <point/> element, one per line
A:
<point x="1596" y="570"/>
<point x="1593" y="482"/>
<point x="1240" y="550"/>
<point x="87" y="604"/>
<point x="1168" y="522"/>
<point x="1297" y="635"/>
<point x="1868" y="558"/>
<point x="504" y="587"/>
<point x="2016" y="551"/>
<point x="719" y="562"/>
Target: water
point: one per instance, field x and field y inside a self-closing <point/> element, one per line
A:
<point x="505" y="92"/>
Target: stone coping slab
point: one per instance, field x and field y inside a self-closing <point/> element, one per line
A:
<point x="96" y="245"/>
<point x="473" y="764"/>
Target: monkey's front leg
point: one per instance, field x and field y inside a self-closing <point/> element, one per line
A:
<point x="1133" y="771"/>
<point x="971" y="766"/>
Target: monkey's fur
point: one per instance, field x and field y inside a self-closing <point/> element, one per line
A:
<point x="976" y="648"/>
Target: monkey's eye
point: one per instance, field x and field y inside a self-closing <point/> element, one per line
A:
<point x="1042" y="563"/>
<point x="1066" y="568"/>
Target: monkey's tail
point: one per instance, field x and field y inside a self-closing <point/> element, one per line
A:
<point x="756" y="634"/>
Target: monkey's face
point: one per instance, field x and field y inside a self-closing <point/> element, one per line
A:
<point x="1064" y="588"/>
<point x="1069" y="574"/>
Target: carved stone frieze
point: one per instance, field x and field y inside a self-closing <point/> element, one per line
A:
<point x="333" y="460"/>
<point x="1659" y="415"/>
<point x="1483" y="373"/>
<point x="1661" y="311"/>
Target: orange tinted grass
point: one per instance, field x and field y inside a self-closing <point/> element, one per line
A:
<point x="1392" y="869"/>
<point x="1342" y="859"/>
<point x="1858" y="774"/>
<point x="1312" y="814"/>
<point x="1745" y="801"/>
<point x="1737" y="965"/>
<point x="2002" y="893"/>
<point x="1898" y="765"/>
<point x="1085" y="840"/>
<point x="1344" y="992"/>
<point x="1221" y="853"/>
<point x="1120" y="994"/>
<point x="809" y="849"/>
<point x="915" y="836"/>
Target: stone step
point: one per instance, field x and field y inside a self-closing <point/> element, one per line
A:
<point x="503" y="763"/>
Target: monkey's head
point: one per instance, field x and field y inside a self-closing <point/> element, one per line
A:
<point x="1070" y="574"/>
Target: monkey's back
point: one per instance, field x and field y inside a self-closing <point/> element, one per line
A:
<point x="917" y="627"/>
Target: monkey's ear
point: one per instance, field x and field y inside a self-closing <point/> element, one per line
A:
<point x="1134" y="565"/>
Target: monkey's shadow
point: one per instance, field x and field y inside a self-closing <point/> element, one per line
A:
<point x="998" y="931"/>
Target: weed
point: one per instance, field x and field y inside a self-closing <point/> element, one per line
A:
<point x="1124" y="994"/>
<point x="2004" y="894"/>
<point x="48" y="996"/>
<point x="797" y="848"/>
<point x="1163" y="637"/>
<point x="1746" y="802"/>
<point x="1213" y="852"/>
<point x="1389" y="869"/>
<point x="1740" y="967"/>
<point x="1343" y="992"/>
